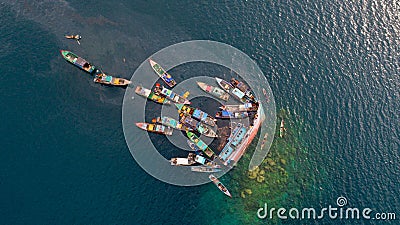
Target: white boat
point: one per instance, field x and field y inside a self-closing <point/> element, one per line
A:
<point x="204" y="169"/>
<point x="215" y="91"/>
<point x="219" y="185"/>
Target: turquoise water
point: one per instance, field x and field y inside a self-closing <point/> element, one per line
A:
<point x="64" y="158"/>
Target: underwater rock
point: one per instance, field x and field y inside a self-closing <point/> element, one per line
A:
<point x="269" y="160"/>
<point x="283" y="161"/>
<point x="272" y="163"/>
<point x="252" y="175"/>
<point x="262" y="172"/>
<point x="248" y="191"/>
<point x="267" y="168"/>
<point x="242" y="195"/>
<point x="260" y="179"/>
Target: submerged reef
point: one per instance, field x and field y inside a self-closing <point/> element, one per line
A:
<point x="280" y="180"/>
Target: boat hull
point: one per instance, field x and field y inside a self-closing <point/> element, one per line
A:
<point x="201" y="145"/>
<point x="247" y="107"/>
<point x="166" y="77"/>
<point x="219" y="185"/>
<point x="231" y="115"/>
<point x="198" y="126"/>
<point x="172" y="96"/>
<point x="205" y="169"/>
<point x="197" y="114"/>
<point x="244" y="88"/>
<point x="155" y="128"/>
<point x="214" y="91"/>
<point x="236" y="93"/>
<point x="78" y="61"/>
<point x="105" y="79"/>
<point x="282" y="129"/>
<point x="170" y="122"/>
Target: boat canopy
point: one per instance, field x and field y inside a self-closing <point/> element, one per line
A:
<point x="226" y="152"/>
<point x="166" y="92"/>
<point x="182" y="161"/>
<point x="225" y="113"/>
<point x="108" y="78"/>
<point x="200" y="159"/>
<point x="238" y="93"/>
<point x="173" y="122"/>
<point x="201" y="145"/>
<point x="167" y="77"/>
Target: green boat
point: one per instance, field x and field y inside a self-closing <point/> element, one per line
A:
<point x="78" y="61"/>
<point x="166" y="77"/>
<point x="201" y="145"/>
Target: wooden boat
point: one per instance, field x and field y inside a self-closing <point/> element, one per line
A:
<point x="201" y="145"/>
<point x="170" y="122"/>
<point x="151" y="95"/>
<point x="235" y="92"/>
<point x="193" y="146"/>
<point x="197" y="114"/>
<point x="205" y="161"/>
<point x="243" y="138"/>
<point x="156" y="128"/>
<point x="246" y="107"/>
<point x="198" y="126"/>
<point x="174" y="97"/>
<point x="223" y="114"/>
<point x="215" y="91"/>
<point x="183" y="161"/>
<point x="219" y="185"/>
<point x="103" y="78"/>
<point x="204" y="169"/>
<point x="244" y="88"/>
<point x="166" y="77"/>
<point x="282" y="129"/>
<point x="78" y="61"/>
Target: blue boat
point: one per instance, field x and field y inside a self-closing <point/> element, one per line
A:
<point x="197" y="114"/>
<point x="223" y="114"/>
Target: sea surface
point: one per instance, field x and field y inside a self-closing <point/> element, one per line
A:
<point x="64" y="159"/>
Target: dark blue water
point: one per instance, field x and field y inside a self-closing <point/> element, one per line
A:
<point x="63" y="155"/>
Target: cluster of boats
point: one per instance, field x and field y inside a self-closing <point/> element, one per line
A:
<point x="99" y="76"/>
<point x="195" y="122"/>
